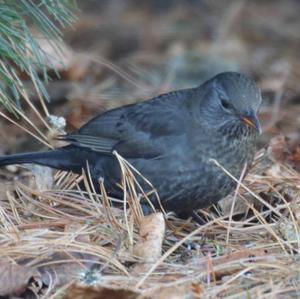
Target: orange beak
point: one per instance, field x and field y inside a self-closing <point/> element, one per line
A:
<point x="252" y="122"/>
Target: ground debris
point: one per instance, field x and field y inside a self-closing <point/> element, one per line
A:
<point x="14" y="279"/>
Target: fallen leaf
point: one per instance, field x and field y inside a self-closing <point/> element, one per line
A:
<point x="240" y="206"/>
<point x="288" y="230"/>
<point x="295" y="157"/>
<point x="101" y="292"/>
<point x="63" y="267"/>
<point x="14" y="278"/>
<point x="278" y="149"/>
<point x="149" y="245"/>
<point x="79" y="68"/>
<point x="296" y="154"/>
<point x="187" y="291"/>
<point x="43" y="176"/>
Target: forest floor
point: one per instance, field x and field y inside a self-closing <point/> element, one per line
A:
<point x="59" y="240"/>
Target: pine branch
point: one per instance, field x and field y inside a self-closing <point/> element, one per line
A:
<point x="20" y="50"/>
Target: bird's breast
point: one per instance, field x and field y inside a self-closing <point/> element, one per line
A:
<point x="208" y="182"/>
<point x="186" y="177"/>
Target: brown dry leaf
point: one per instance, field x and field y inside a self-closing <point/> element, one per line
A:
<point x="188" y="291"/>
<point x="288" y="231"/>
<point x="78" y="69"/>
<point x="149" y="244"/>
<point x="274" y="171"/>
<point x="14" y="278"/>
<point x="240" y="206"/>
<point x="278" y="149"/>
<point x="62" y="267"/>
<point x="43" y="177"/>
<point x="101" y="292"/>
<point x="296" y="154"/>
<point x="284" y="150"/>
<point x="295" y="157"/>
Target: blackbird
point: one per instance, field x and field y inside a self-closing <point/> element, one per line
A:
<point x="171" y="140"/>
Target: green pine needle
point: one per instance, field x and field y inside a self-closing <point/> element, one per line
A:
<point x="19" y="47"/>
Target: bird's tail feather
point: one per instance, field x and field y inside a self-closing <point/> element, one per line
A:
<point x="61" y="158"/>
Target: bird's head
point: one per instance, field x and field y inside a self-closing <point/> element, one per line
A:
<point x="230" y="102"/>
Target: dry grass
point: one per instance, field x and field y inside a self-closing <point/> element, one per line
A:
<point x="232" y="256"/>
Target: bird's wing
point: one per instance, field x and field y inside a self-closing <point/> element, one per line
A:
<point x="138" y="130"/>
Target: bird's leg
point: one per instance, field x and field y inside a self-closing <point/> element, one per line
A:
<point x="197" y="218"/>
<point x="193" y="214"/>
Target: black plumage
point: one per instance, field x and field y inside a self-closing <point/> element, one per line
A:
<point x="170" y="139"/>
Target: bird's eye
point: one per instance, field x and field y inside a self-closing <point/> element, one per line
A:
<point x="225" y="104"/>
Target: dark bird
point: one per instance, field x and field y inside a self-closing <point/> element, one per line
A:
<point x="171" y="140"/>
